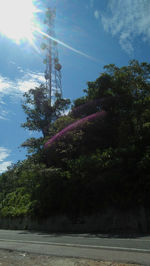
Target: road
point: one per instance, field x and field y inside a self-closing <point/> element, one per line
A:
<point x="101" y="247"/>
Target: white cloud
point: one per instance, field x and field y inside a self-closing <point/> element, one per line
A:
<point x="3" y="114"/>
<point x="128" y="19"/>
<point x="3" y="111"/>
<point x="27" y="81"/>
<point x="5" y="84"/>
<point x="4" y="153"/>
<point x="20" y="69"/>
<point x="96" y="14"/>
<point x="4" y="165"/>
<point x="14" y="88"/>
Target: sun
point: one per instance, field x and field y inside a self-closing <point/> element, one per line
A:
<point x="17" y="19"/>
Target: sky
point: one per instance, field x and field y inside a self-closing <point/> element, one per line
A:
<point x="90" y="34"/>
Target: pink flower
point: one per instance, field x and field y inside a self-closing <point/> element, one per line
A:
<point x="87" y="108"/>
<point x="73" y="126"/>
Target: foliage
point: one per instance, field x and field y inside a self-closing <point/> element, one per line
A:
<point x="40" y="113"/>
<point x="95" y="162"/>
<point x="86" y="109"/>
<point x="74" y="125"/>
<point x="16" y="203"/>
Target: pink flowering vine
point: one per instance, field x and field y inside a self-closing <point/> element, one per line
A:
<point x="89" y="107"/>
<point x="73" y="126"/>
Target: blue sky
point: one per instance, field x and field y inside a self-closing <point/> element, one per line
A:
<point x="107" y="31"/>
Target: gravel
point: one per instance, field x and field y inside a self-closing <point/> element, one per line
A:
<point x="14" y="258"/>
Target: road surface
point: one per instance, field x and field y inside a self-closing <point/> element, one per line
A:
<point x="100" y="247"/>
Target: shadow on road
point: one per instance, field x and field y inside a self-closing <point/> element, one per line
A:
<point x="86" y="235"/>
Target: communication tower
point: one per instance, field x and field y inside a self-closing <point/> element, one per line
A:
<point x="53" y="67"/>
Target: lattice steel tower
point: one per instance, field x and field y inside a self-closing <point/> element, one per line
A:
<point x="53" y="67"/>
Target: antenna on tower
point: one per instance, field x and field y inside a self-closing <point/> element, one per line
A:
<point x="53" y="67"/>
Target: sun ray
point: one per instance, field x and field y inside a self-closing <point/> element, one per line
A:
<point x="17" y="19"/>
<point x="17" y="22"/>
<point x="66" y="45"/>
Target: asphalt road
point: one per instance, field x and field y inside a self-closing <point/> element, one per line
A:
<point x="101" y="247"/>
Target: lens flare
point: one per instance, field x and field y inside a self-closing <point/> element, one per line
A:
<point x="73" y="126"/>
<point x="65" y="45"/>
<point x="17" y="19"/>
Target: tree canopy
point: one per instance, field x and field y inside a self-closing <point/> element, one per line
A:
<point x="94" y="164"/>
<point x="41" y="114"/>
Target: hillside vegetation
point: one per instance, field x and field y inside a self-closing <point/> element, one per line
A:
<point x="94" y="158"/>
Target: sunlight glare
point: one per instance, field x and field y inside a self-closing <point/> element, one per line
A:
<point x="16" y="19"/>
<point x="66" y="45"/>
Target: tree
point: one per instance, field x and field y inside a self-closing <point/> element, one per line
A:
<point x="91" y="164"/>
<point x="124" y="93"/>
<point x="41" y="113"/>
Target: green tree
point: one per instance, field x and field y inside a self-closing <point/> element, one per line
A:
<point x="124" y="93"/>
<point x="100" y="164"/>
<point x="41" y="114"/>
